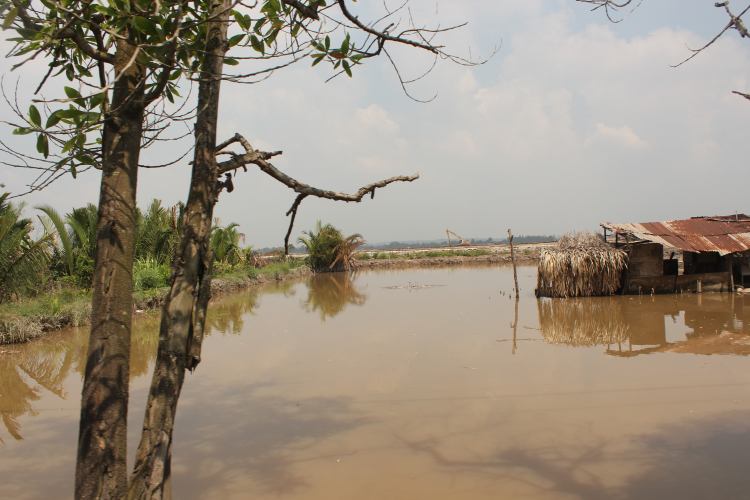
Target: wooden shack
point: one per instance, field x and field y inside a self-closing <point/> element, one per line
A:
<point x="702" y="254"/>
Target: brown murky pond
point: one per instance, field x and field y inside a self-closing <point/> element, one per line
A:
<point x="415" y="384"/>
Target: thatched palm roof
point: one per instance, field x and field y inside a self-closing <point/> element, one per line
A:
<point x="582" y="265"/>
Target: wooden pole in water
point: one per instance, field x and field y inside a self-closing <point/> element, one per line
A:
<point x="513" y="258"/>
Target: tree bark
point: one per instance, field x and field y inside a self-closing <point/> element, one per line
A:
<point x="183" y="313"/>
<point x="102" y="442"/>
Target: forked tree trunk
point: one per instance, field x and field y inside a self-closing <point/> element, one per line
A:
<point x="183" y="313"/>
<point x="101" y="463"/>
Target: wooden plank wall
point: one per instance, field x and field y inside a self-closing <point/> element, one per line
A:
<point x="646" y="260"/>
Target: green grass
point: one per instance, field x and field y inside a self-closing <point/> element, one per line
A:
<point x="275" y="268"/>
<point x="29" y="318"/>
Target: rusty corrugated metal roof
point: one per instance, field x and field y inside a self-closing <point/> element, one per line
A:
<point x="724" y="234"/>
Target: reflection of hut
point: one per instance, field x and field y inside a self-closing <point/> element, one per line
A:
<point x="582" y="322"/>
<point x="581" y="265"/>
<point x="702" y="253"/>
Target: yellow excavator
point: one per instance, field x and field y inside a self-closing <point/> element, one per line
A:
<point x="463" y="241"/>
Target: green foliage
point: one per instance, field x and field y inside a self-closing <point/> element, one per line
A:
<point x="74" y="242"/>
<point x="327" y="247"/>
<point x="149" y="273"/>
<point x="157" y="232"/>
<point x="225" y="244"/>
<point x="22" y="259"/>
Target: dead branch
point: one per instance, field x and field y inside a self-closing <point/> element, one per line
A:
<point x="259" y="158"/>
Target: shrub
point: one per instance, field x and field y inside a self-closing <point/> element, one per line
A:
<point x="150" y="273"/>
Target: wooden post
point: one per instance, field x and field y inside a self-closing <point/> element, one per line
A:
<point x="699" y="287"/>
<point x="513" y="258"/>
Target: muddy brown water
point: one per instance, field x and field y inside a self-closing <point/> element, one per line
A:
<point x="382" y="386"/>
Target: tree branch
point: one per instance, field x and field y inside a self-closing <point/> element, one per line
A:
<point x="292" y="211"/>
<point x="259" y="158"/>
<point x="82" y="44"/>
<point x="309" y="12"/>
<point x="381" y="35"/>
<point x="746" y="96"/>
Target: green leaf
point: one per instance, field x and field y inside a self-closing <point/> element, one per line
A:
<point x="85" y="159"/>
<point x="23" y="131"/>
<point x="42" y="145"/>
<point x="345" y="45"/>
<point x="231" y="62"/>
<point x="27" y="34"/>
<point x="9" y="18"/>
<point x="317" y="58"/>
<point x="34" y="117"/>
<point x="72" y="93"/>
<point x="97" y="100"/>
<point x="327" y="43"/>
<point x="145" y="25"/>
<point x="68" y="145"/>
<point x="236" y="39"/>
<point x="53" y="119"/>
<point x="73" y="169"/>
<point x="69" y="113"/>
<point x="346" y="68"/>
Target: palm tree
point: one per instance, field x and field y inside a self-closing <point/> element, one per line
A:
<point x="158" y="231"/>
<point x="22" y="260"/>
<point x="327" y="247"/>
<point x="74" y="239"/>
<point x="225" y="243"/>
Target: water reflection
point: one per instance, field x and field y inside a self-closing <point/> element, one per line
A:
<point x="227" y="314"/>
<point x="329" y="294"/>
<point x="714" y="323"/>
<point x="582" y="321"/>
<point x="29" y="370"/>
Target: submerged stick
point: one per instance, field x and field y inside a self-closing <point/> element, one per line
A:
<point x="513" y="258"/>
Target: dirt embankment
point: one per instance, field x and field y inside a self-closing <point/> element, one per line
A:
<point x="522" y="257"/>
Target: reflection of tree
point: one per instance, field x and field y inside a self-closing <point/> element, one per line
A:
<point x="582" y="322"/>
<point x="331" y="293"/>
<point x="226" y="315"/>
<point x="28" y="369"/>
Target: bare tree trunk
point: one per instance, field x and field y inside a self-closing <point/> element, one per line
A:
<point x="513" y="258"/>
<point x="183" y="313"/>
<point x="101" y="463"/>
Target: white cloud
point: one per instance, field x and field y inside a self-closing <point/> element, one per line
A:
<point x="376" y="118"/>
<point x="624" y="136"/>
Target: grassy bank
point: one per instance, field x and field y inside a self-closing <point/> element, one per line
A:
<point x="29" y="318"/>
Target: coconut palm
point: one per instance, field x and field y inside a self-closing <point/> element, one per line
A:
<point x="22" y="260"/>
<point x="327" y="247"/>
<point x="74" y="239"/>
<point x="225" y="243"/>
<point x="158" y="231"/>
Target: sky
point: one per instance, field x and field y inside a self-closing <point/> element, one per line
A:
<point x="573" y="122"/>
